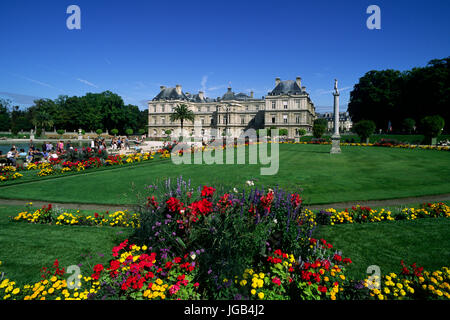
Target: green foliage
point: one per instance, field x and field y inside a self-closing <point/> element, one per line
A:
<point x="114" y="131"/>
<point x="129" y="131"/>
<point x="301" y="132"/>
<point x="283" y="132"/>
<point x="408" y="125"/>
<point x="432" y="126"/>
<point x="364" y="129"/>
<point x="182" y="113"/>
<point x="99" y="131"/>
<point x="391" y="95"/>
<point x="60" y="131"/>
<point x="319" y="127"/>
<point x="142" y="131"/>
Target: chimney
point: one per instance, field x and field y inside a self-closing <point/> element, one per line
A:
<point x="277" y="81"/>
<point x="251" y="94"/>
<point x="201" y="95"/>
<point x="162" y="87"/>
<point x="178" y="88"/>
<point x="299" y="81"/>
<point x="303" y="89"/>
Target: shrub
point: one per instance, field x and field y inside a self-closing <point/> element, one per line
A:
<point x="319" y="127"/>
<point x="129" y="131"/>
<point x="364" y="129"/>
<point x="99" y="131"/>
<point x="114" y="131"/>
<point x="431" y="127"/>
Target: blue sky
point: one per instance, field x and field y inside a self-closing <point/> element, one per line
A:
<point x="133" y="47"/>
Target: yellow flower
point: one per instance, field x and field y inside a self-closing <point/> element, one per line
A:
<point x="261" y="295"/>
<point x="253" y="291"/>
<point x="16" y="291"/>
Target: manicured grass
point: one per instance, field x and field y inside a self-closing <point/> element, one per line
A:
<point x="26" y="248"/>
<point x="385" y="244"/>
<point x="358" y="173"/>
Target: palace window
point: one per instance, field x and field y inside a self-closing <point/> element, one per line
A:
<point x="285" y="104"/>
<point x="163" y="120"/>
<point x="273" y="118"/>
<point x="242" y="120"/>
<point x="273" y="104"/>
<point x="285" y="118"/>
<point x="297" y="118"/>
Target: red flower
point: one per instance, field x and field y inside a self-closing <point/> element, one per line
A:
<point x="98" y="268"/>
<point x="277" y="281"/>
<point x="207" y="191"/>
<point x="337" y="258"/>
<point x="322" y="289"/>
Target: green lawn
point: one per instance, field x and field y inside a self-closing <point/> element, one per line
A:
<point x="359" y="173"/>
<point x="308" y="167"/>
<point x="26" y="248"/>
<point x="424" y="241"/>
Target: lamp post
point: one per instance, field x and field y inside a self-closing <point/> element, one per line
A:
<point x="336" y="138"/>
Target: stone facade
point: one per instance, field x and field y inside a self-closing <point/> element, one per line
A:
<point x="345" y="122"/>
<point x="287" y="106"/>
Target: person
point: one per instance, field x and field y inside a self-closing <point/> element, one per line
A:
<point x="30" y="155"/>
<point x="22" y="153"/>
<point x="53" y="155"/>
<point x="11" y="156"/>
<point x="69" y="145"/>
<point x="32" y="145"/>
<point x="127" y="144"/>
<point x="92" y="144"/>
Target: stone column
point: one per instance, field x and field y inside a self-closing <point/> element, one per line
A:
<point x="336" y="138"/>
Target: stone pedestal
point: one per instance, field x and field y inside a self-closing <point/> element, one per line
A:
<point x="335" y="144"/>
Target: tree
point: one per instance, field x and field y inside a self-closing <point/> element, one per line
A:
<point x="283" y="132"/>
<point x="182" y="112"/>
<point x="60" y="132"/>
<point x="301" y="132"/>
<point x="364" y="129"/>
<point x="319" y="127"/>
<point x="408" y="125"/>
<point x="99" y="131"/>
<point x="114" y="132"/>
<point x="377" y="97"/>
<point x="129" y="132"/>
<point x="431" y="127"/>
<point x="5" y="119"/>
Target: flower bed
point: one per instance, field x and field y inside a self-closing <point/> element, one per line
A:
<point x="412" y="283"/>
<point x="8" y="173"/>
<point x="361" y="214"/>
<point x="201" y="243"/>
<point x="48" y="215"/>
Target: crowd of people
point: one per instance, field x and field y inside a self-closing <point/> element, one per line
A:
<point x="49" y="150"/>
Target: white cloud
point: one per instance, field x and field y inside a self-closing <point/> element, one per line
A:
<point x="87" y="82"/>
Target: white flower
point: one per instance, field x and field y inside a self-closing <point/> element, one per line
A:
<point x="235" y="190"/>
<point x="193" y="256"/>
<point x="275" y="220"/>
<point x="250" y="183"/>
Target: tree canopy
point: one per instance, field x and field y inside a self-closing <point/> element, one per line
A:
<point x="392" y="96"/>
<point x="105" y="110"/>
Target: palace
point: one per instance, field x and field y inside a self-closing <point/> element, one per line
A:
<point x="288" y="106"/>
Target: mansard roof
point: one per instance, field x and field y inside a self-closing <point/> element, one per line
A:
<point x="170" y="94"/>
<point x="286" y="87"/>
